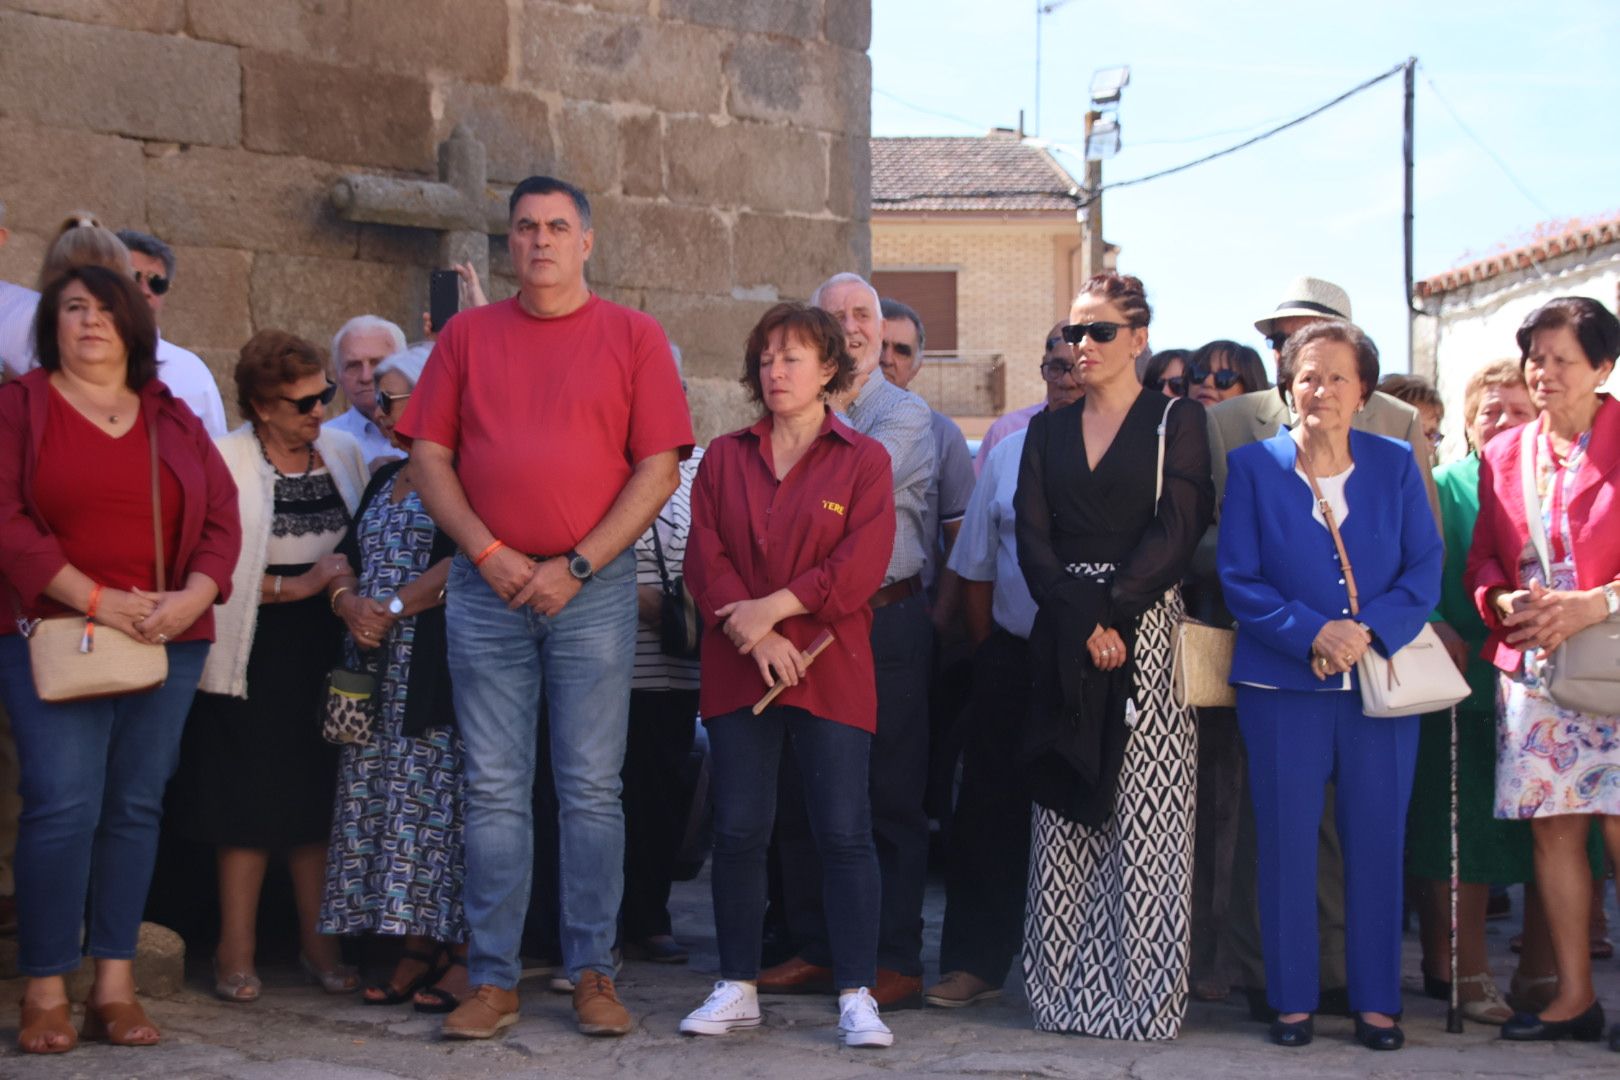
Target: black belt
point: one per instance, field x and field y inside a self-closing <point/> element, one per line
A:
<point x="893" y="594"/>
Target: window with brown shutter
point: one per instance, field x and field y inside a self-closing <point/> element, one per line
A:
<point x="931" y="294"/>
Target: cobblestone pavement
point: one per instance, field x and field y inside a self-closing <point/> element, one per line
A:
<point x="294" y="1032"/>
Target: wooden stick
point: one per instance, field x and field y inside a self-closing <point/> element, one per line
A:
<point x="817" y="647"/>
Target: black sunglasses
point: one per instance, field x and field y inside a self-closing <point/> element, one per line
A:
<point x="1225" y="379"/>
<point x="387" y="401"/>
<point x="156" y="282"/>
<point x="309" y="401"/>
<point x="1101" y="332"/>
<point x="1277" y="341"/>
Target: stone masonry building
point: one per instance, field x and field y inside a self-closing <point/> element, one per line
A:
<point x="724" y="146"/>
<point x="982" y="235"/>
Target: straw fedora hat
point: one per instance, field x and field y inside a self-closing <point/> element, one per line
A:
<point x="1309" y="297"/>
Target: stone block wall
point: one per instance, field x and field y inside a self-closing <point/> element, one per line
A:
<point x="1014" y="280"/>
<point x="723" y="144"/>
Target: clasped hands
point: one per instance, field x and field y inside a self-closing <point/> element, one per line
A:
<point x="1337" y="647"/>
<point x="750" y="625"/>
<point x="154" y="618"/>
<point x="545" y="586"/>
<point x="1542" y="618"/>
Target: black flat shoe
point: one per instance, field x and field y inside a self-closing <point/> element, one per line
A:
<point x="1379" y="1038"/>
<point x="1528" y="1027"/>
<point x="1295" y="1034"/>
<point x="1439" y="989"/>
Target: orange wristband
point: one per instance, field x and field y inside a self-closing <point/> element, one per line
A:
<point x="95" y="603"/>
<point x="483" y="556"/>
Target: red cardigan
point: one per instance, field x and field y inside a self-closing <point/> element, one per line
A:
<point x="210" y="530"/>
<point x="1501" y="532"/>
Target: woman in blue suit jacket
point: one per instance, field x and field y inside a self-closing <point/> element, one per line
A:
<point x="1294" y="668"/>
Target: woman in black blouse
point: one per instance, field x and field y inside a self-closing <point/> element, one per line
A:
<point x="1103" y="545"/>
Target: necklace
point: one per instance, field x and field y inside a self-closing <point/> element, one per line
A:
<point x="265" y="451"/>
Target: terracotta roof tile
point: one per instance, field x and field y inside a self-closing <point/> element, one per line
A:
<point x="1579" y="236"/>
<point x="975" y="173"/>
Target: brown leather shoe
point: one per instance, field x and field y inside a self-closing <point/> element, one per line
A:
<point x="896" y="991"/>
<point x="597" y="1006"/>
<point x="483" y="1015"/>
<point x="796" y="976"/>
<point x="958" y="989"/>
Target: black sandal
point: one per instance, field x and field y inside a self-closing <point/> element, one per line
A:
<point x="390" y="996"/>
<point x="441" y="1001"/>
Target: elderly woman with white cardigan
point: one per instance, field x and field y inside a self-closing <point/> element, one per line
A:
<point x="256" y="778"/>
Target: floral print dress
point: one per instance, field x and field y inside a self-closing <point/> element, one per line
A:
<point x="1551" y="760"/>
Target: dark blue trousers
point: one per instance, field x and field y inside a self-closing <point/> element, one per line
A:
<point x="1297" y="742"/>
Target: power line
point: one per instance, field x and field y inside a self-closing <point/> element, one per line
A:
<point x="1352" y="92"/>
<point x="1492" y="154"/>
<point x="931" y="112"/>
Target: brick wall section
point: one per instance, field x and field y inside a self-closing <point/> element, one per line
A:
<point x="1011" y="286"/>
<point x="723" y="144"/>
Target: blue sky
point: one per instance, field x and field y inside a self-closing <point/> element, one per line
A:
<point x="1538" y="84"/>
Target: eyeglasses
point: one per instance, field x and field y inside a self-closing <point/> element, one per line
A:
<point x="1277" y="340"/>
<point x="387" y="401"/>
<point x="1053" y="370"/>
<point x="1101" y="332"/>
<point x="156" y="282"/>
<point x="309" y="401"/>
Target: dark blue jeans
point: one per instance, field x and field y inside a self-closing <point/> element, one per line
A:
<point x="745" y="751"/>
<point x="92" y="780"/>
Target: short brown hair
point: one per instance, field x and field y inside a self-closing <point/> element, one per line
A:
<point x="1329" y="330"/>
<point x="1415" y="390"/>
<point x="270" y="360"/>
<point x="130" y="313"/>
<point x="1494" y="373"/>
<point x="810" y="325"/>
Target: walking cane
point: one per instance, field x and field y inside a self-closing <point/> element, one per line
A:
<point x="1454" y="1023"/>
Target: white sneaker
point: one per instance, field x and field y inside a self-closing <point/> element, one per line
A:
<point x="732" y="1005"/>
<point x="858" y="1020"/>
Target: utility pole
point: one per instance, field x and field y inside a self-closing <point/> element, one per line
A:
<point x="1408" y="106"/>
<point x="1092" y="242"/>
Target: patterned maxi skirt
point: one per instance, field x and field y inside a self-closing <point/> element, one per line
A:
<point x="1107" y="914"/>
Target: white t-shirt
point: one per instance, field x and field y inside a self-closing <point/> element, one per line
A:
<point x="17" y="306"/>
<point x="189" y="379"/>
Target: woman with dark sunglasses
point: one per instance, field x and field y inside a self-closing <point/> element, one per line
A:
<point x="1166" y="371"/>
<point x="256" y="777"/>
<point x="1103" y="543"/>
<point x="1221" y="370"/>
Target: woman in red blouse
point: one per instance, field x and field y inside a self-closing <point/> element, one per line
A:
<point x="77" y="536"/>
<point x="792" y="528"/>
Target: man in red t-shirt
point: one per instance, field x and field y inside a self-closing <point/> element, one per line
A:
<point x="547" y="429"/>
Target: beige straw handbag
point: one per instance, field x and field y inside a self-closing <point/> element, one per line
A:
<point x="1201" y="664"/>
<point x="72" y="663"/>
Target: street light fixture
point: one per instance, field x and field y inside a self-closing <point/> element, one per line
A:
<point x="1106" y="84"/>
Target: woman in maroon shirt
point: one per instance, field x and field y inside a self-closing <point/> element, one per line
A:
<point x="77" y="535"/>
<point x="792" y="528"/>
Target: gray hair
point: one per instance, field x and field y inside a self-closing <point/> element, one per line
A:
<point x="396" y="336"/>
<point x="409" y="362"/>
<point x="897" y="309"/>
<point x="151" y="247"/>
<point x="845" y="278"/>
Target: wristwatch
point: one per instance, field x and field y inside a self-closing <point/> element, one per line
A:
<point x="580" y="566"/>
<point x="396" y="606"/>
<point x="1611" y="599"/>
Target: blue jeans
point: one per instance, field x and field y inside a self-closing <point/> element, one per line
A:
<point x="745" y="751"/>
<point x="501" y="661"/>
<point x="1297" y="742"/>
<point x="92" y="780"/>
